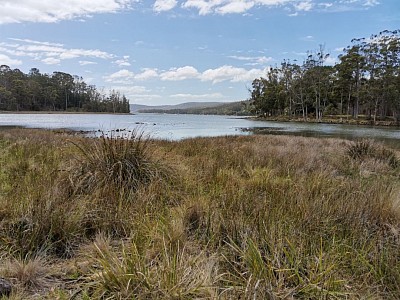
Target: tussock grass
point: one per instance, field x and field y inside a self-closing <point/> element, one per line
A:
<point x="32" y="274"/>
<point x="256" y="217"/>
<point x="367" y="149"/>
<point x="116" y="164"/>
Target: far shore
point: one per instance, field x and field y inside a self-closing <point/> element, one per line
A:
<point x="61" y="112"/>
<point x="331" y="120"/>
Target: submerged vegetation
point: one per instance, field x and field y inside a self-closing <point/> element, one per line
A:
<point x="261" y="217"/>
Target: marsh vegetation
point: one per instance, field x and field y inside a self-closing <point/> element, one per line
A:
<point x="249" y="217"/>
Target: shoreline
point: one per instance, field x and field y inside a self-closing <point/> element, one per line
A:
<point x="341" y="121"/>
<point x="50" y="112"/>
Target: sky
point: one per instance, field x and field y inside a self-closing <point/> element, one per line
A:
<point x="175" y="51"/>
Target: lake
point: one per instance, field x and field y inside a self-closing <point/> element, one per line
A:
<point x="175" y="127"/>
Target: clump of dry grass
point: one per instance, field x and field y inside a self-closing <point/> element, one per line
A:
<point x="129" y="271"/>
<point x="114" y="163"/>
<point x="367" y="149"/>
<point x="117" y="178"/>
<point x="56" y="195"/>
<point x="29" y="274"/>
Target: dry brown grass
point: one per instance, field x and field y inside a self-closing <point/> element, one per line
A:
<point x="260" y="217"/>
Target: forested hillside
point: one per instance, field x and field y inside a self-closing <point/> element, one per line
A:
<point x="365" y="82"/>
<point x="240" y="108"/>
<point x="56" y="92"/>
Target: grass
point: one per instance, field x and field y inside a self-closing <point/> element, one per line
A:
<point x="260" y="217"/>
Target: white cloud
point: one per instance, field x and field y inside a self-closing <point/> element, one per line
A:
<point x="224" y="73"/>
<point x="235" y="7"/>
<point x="230" y="6"/>
<point x="51" y="61"/>
<point x="122" y="76"/>
<point x="63" y="53"/>
<point x="176" y="74"/>
<point x="197" y="96"/>
<point x="37" y="42"/>
<point x="304" y="6"/>
<point x="204" y="7"/>
<point x="51" y="53"/>
<point x="123" y="62"/>
<point x="371" y="3"/>
<point x="86" y="62"/>
<point x="249" y="75"/>
<point x="230" y="73"/>
<point x="5" y="60"/>
<point x="325" y="5"/>
<point x="10" y="49"/>
<point x="50" y="11"/>
<point x="127" y="77"/>
<point x="147" y="74"/>
<point x="222" y="7"/>
<point x="339" y="49"/>
<point x="308" y="38"/>
<point x="273" y="2"/>
<point x="257" y="60"/>
<point x="130" y="90"/>
<point x="331" y="60"/>
<point x="164" y="5"/>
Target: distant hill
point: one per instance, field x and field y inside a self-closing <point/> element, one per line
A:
<point x="240" y="108"/>
<point x="186" y="105"/>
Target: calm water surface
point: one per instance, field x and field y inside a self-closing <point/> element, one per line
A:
<point x="175" y="127"/>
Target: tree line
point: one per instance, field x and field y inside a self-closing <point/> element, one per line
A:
<point x="364" y="82"/>
<point x="56" y="92"/>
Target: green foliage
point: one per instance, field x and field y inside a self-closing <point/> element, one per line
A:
<point x="57" y="92"/>
<point x="365" y="81"/>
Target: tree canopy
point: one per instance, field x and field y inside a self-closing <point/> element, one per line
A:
<point x="56" y="92"/>
<point x="366" y="81"/>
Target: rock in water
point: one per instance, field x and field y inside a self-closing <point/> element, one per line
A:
<point x="5" y="287"/>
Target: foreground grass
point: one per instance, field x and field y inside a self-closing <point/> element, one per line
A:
<point x="260" y="217"/>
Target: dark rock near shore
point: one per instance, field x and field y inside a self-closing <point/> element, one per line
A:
<point x="5" y="287"/>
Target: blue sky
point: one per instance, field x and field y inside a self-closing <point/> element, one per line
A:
<point x="174" y="51"/>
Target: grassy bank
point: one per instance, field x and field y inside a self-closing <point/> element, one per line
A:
<point x="248" y="217"/>
<point x="335" y="119"/>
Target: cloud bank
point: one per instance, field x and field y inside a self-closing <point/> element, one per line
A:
<point x="217" y="75"/>
<point x="50" y="11"/>
<point x="223" y="7"/>
<point x="54" y="53"/>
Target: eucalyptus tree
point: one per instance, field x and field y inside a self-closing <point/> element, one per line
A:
<point x="64" y="81"/>
<point x="288" y="73"/>
<point x="389" y="58"/>
<point x="365" y="81"/>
